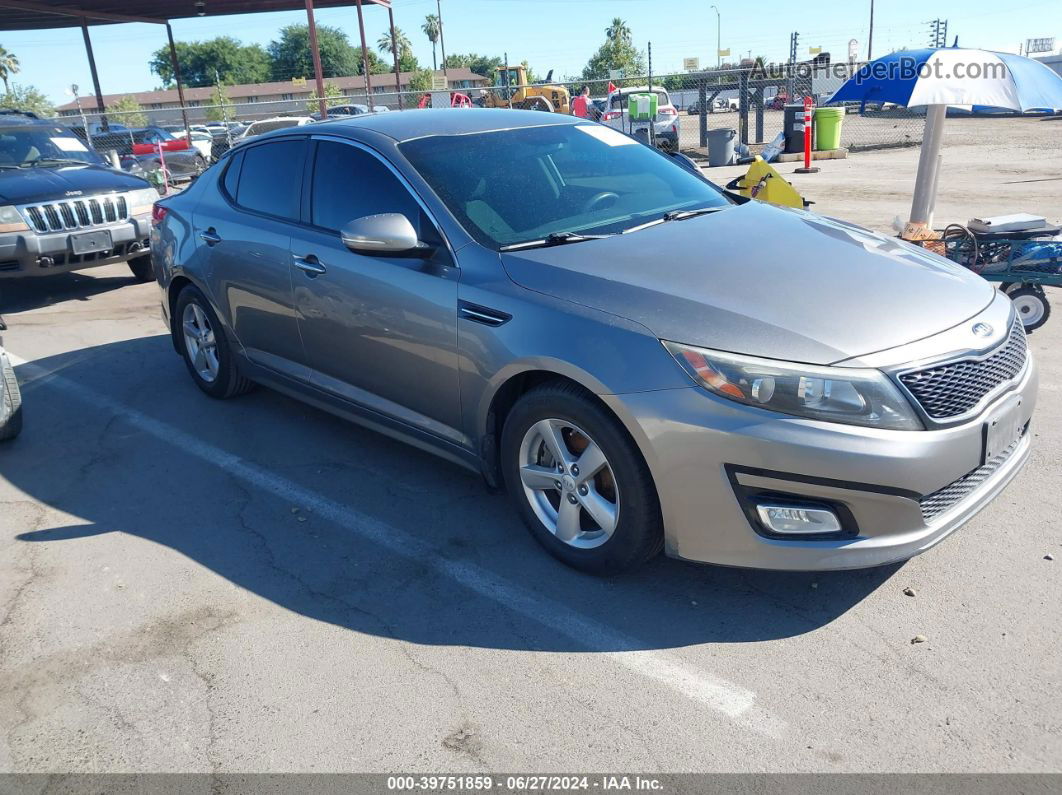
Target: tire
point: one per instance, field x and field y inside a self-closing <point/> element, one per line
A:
<point x="623" y="482"/>
<point x="11" y="410"/>
<point x="141" y="268"/>
<point x="200" y="165"/>
<point x="226" y="381"/>
<point x="1033" y="307"/>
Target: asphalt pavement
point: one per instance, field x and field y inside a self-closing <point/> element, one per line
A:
<point x="254" y="585"/>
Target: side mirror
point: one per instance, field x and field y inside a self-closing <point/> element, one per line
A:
<point x="383" y="235"/>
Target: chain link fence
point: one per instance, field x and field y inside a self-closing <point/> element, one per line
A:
<point x="748" y="100"/>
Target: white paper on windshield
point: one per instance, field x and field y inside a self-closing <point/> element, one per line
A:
<point x="69" y="145"/>
<point x="606" y="134"/>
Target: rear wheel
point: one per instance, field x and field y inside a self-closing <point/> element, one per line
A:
<point x="141" y="268"/>
<point x="579" y="482"/>
<point x="1032" y="305"/>
<point x="205" y="347"/>
<point x="11" y="409"/>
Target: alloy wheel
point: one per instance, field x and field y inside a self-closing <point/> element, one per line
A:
<point x="200" y="343"/>
<point x="569" y="483"/>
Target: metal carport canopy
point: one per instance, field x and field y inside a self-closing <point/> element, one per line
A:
<point x="45" y="14"/>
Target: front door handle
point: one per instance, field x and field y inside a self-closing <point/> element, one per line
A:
<point x="210" y="237"/>
<point x="309" y="264"/>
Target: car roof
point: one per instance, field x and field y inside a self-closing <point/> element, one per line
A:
<point x="410" y="124"/>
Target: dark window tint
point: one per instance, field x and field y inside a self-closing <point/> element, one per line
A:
<point x="232" y="175"/>
<point x="271" y="178"/>
<point x="349" y="183"/>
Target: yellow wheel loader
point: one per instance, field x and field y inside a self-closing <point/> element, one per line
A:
<point x="511" y="89"/>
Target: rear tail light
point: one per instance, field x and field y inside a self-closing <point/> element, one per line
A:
<point x="667" y="112"/>
<point x="158" y="212"/>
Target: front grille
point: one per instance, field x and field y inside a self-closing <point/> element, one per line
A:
<point x="951" y="389"/>
<point x="76" y="214"/>
<point x="939" y="501"/>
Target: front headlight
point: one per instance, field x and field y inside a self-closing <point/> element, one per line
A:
<point x="141" y="201"/>
<point x="11" y="221"/>
<point x="834" y="394"/>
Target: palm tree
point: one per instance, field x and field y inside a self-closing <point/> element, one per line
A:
<point x="399" y="47"/>
<point x="8" y="66"/>
<point x="618" y="30"/>
<point x="432" y="28"/>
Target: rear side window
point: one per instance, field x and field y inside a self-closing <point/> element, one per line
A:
<point x="349" y="183"/>
<point x="232" y="175"/>
<point x="270" y="179"/>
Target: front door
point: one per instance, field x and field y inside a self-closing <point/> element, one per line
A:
<point x="378" y="331"/>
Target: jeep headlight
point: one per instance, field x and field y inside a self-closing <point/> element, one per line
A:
<point x="834" y="394"/>
<point x="11" y="220"/>
<point x="141" y="201"/>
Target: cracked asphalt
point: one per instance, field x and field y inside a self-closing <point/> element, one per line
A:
<point x="254" y="585"/>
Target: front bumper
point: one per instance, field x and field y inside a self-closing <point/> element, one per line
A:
<point x="29" y="254"/>
<point x="706" y="453"/>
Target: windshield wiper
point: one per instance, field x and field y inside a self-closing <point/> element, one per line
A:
<point x="65" y="161"/>
<point x="682" y="215"/>
<point x="552" y="239"/>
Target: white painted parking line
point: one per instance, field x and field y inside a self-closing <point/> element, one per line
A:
<point x="732" y="700"/>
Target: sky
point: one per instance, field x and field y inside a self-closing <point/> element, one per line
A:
<point x="553" y="34"/>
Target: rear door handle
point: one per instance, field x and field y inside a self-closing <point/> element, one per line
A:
<point x="210" y="237"/>
<point x="309" y="264"/>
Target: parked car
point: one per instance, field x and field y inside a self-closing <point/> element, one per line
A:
<point x="800" y="394"/>
<point x="354" y="109"/>
<point x="138" y="152"/>
<point x="276" y="123"/>
<point x="10" y="397"/>
<point x="202" y="139"/>
<point x="63" y="208"/>
<point x="665" y="126"/>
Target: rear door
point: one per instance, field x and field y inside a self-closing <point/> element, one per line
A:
<point x="245" y="225"/>
<point x="378" y="331"/>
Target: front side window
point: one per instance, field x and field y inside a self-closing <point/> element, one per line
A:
<point x="270" y="179"/>
<point x="513" y="186"/>
<point x="350" y="183"/>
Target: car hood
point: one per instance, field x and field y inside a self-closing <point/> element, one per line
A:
<point x="49" y="183"/>
<point x="764" y="281"/>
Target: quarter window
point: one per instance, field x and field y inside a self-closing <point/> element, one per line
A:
<point x="270" y="179"/>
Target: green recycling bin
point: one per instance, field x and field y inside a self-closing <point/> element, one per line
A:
<point x="828" y="128"/>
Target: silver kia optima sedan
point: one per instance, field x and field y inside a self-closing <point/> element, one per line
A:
<point x="643" y="361"/>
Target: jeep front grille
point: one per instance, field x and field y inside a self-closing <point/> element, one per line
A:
<point x="75" y="214"/>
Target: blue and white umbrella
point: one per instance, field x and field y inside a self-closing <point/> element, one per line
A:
<point x="950" y="76"/>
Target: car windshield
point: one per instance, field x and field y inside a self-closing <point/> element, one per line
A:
<point x="508" y="187"/>
<point x="32" y="145"/>
<point x="150" y="136"/>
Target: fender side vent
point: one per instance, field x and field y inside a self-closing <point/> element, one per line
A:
<point x="482" y="314"/>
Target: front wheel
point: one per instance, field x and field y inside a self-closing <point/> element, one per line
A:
<point x="579" y="482"/>
<point x="141" y="268"/>
<point x="1032" y="306"/>
<point x="11" y="407"/>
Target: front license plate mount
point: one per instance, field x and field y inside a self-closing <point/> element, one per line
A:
<point x="91" y="242"/>
<point x="1002" y="429"/>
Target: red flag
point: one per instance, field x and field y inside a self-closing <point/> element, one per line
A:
<point x="612" y="87"/>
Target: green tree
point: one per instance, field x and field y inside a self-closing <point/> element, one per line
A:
<point x="432" y="28"/>
<point x="618" y="31"/>
<point x="221" y="107"/>
<point x="407" y="62"/>
<point x="377" y="66"/>
<point x="27" y="98"/>
<point x="204" y="62"/>
<point x="483" y="65"/>
<point x="615" y="53"/>
<point x="421" y="80"/>
<point x="127" y="111"/>
<point x="8" y="66"/>
<point x="333" y="96"/>
<point x="290" y="53"/>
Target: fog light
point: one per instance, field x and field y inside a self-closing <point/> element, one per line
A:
<point x="797" y="520"/>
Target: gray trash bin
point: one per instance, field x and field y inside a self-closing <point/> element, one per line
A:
<point x="721" y="147"/>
